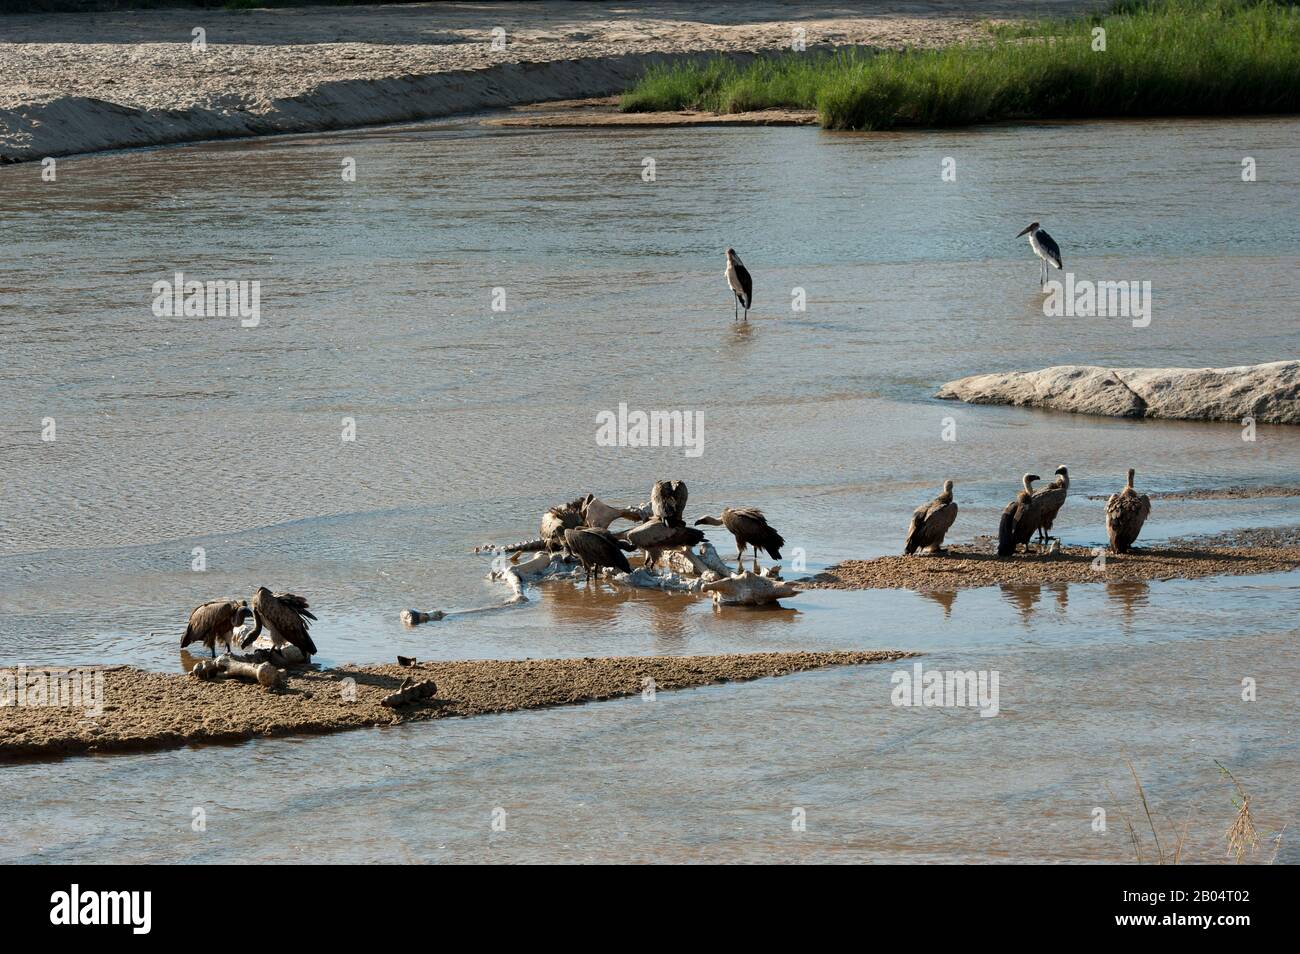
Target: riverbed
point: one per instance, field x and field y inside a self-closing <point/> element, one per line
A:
<point x="377" y="308"/>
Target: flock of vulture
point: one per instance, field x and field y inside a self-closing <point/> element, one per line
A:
<point x="1031" y="512"/>
<point x="581" y="528"/>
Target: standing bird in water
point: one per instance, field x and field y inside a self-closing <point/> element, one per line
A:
<point x="930" y="522"/>
<point x="750" y="528"/>
<point x="1019" y="519"/>
<point x="285" y="615"/>
<point x="1045" y="248"/>
<point x="740" y="283"/>
<point x="216" y="622"/>
<point x="597" y="548"/>
<point x="1049" y="501"/>
<point x="1126" y="511"/>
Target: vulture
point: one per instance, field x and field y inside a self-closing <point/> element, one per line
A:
<point x="738" y="280"/>
<point x="668" y="501"/>
<point x="750" y="528"/>
<point x="216" y="622"/>
<point x="930" y="522"/>
<point x="656" y="535"/>
<point x="1126" y="511"/>
<point x="1050" y="499"/>
<point x="1019" y="519"/>
<point x="558" y="519"/>
<point x="597" y="548"/>
<point x="285" y="615"/>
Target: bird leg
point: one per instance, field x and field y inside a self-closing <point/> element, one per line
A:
<point x="736" y="302"/>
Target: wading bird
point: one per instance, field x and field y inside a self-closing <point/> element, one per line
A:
<point x="668" y="501"/>
<point x="930" y="522"/>
<point x="750" y="528"/>
<point x="655" y="536"/>
<point x="216" y="622"/>
<point x="1019" y="519"/>
<point x="740" y="283"/>
<point x="597" y="548"/>
<point x="1045" y="248"/>
<point x="285" y="616"/>
<point x="1049" y="501"/>
<point x="1126" y="511"/>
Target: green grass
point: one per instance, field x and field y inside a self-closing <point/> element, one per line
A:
<point x="1163" y="58"/>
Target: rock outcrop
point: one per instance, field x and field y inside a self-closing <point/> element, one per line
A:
<point x="1269" y="393"/>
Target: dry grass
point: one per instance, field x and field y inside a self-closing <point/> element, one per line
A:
<point x="1242" y="835"/>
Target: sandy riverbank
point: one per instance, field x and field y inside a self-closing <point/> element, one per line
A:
<point x="145" y="711"/>
<point x="971" y="565"/>
<point x="83" y="82"/>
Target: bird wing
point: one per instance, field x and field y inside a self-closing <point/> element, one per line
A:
<point x="1050" y="247"/>
<point x="751" y="526"/>
<point x="940" y="520"/>
<point x="746" y="284"/>
<point x="287" y="614"/>
<point x="208" y="621"/>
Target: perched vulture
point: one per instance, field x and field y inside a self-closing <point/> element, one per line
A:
<point x="1049" y="500"/>
<point x="1019" y="519"/>
<point x="750" y="528"/>
<point x="597" y="548"/>
<point x="668" y="502"/>
<point x="1126" y="511"/>
<point x="285" y="616"/>
<point x="216" y="622"/>
<point x="558" y="519"/>
<point x="931" y="521"/>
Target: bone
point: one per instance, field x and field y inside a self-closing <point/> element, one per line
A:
<point x="228" y="667"/>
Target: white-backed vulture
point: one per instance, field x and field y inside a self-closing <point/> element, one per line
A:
<point x="216" y="622"/>
<point x="1019" y="519"/>
<point x="668" y="502"/>
<point x="558" y="519"/>
<point x="930" y="522"/>
<point x="750" y="528"/>
<point x="1126" y="511"/>
<point x="1050" y="499"/>
<point x="597" y="548"/>
<point x="285" y="616"/>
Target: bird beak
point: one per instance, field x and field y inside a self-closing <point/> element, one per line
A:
<point x="1023" y="231"/>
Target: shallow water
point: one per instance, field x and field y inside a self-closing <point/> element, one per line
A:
<point x="181" y="433"/>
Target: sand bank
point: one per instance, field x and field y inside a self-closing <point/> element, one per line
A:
<point x="1217" y="493"/>
<point x="975" y="565"/>
<point x="1268" y="393"/>
<point x="92" y="81"/>
<point x="146" y="711"/>
<point x="595" y="113"/>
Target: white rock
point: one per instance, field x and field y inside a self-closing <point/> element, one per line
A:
<point x="1269" y="393"/>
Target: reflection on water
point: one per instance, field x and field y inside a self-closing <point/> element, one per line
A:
<point x="1130" y="598"/>
<point x="470" y="423"/>
<point x="944" y="598"/>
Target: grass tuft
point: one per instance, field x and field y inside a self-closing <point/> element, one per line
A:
<point x="1161" y="58"/>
